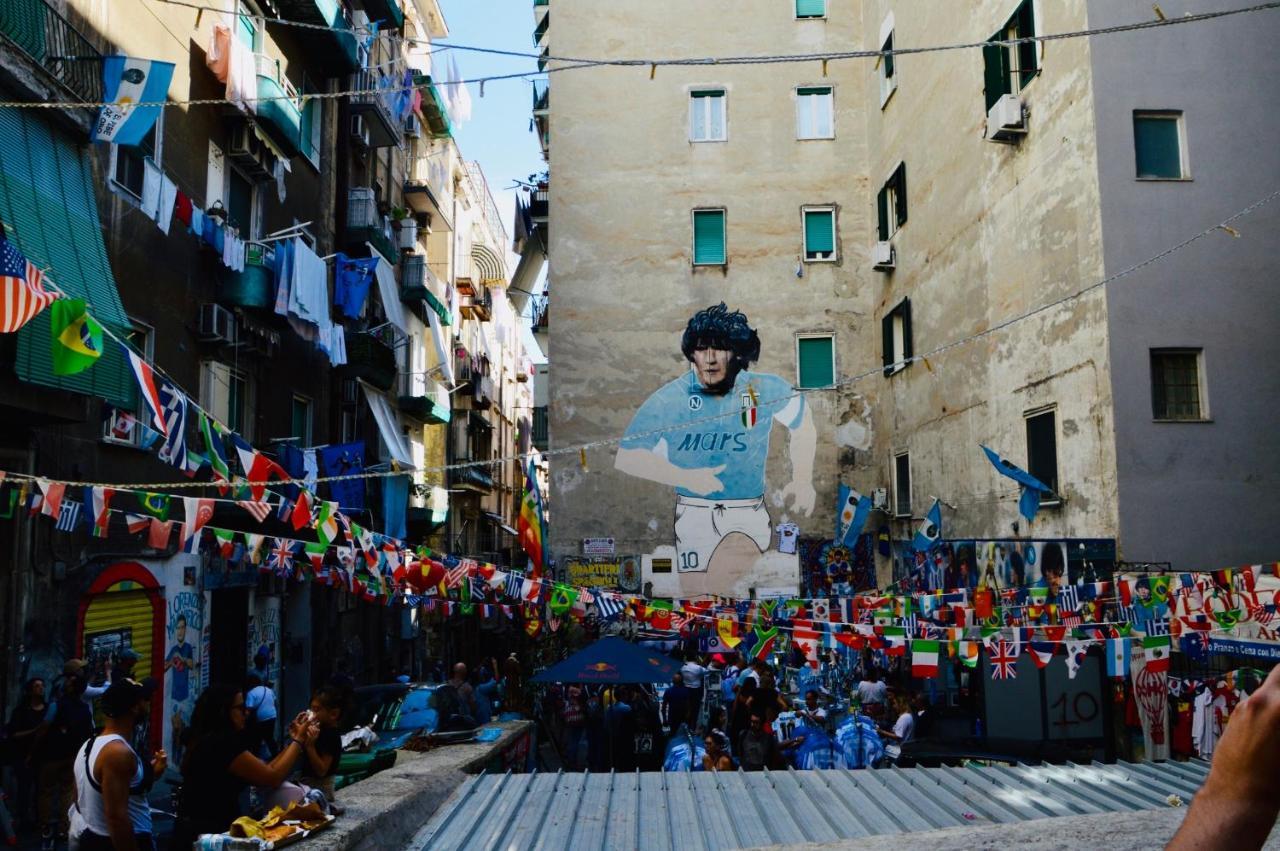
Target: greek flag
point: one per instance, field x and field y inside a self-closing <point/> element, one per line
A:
<point x="1069" y="598"/>
<point x="1157" y="626"/>
<point x="609" y="606"/>
<point x="514" y="586"/>
<point x="173" y="407"/>
<point x="127" y="82"/>
<point x="68" y="517"/>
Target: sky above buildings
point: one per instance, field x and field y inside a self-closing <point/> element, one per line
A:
<point x="498" y="134"/>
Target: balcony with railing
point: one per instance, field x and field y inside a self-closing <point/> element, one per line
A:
<point x="428" y="188"/>
<point x="366" y="224"/>
<point x="424" y="399"/>
<point x="330" y="43"/>
<point x="279" y="110"/>
<point x="54" y="44"/>
<point x="478" y="306"/>
<point x="388" y="12"/>
<point x="370" y="358"/>
<point x="540" y="204"/>
<point x="539" y="317"/>
<point x="372" y="106"/>
<point x="419" y="286"/>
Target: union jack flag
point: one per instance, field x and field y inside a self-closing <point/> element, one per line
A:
<point x="1004" y="661"/>
<point x="281" y="560"/>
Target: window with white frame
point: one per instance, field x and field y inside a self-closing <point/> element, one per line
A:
<point x="1177" y="385"/>
<point x="707" y="116"/>
<point x="815" y="360"/>
<point x="300" y="419"/>
<point x="127" y="167"/>
<point x="226" y="393"/>
<point x="902" y="484"/>
<point x="124" y="426"/>
<point x="895" y="332"/>
<point x="1159" y="145"/>
<point x="888" y="67"/>
<point x="815" y="112"/>
<point x="891" y="204"/>
<point x="811" y="8"/>
<point x="820" y="235"/>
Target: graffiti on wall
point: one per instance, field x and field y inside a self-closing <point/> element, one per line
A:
<point x="184" y="625"/>
<point x="592" y="573"/>
<point x="706" y="434"/>
<point x="832" y="569"/>
<point x="1008" y="563"/>
<point x="264" y="636"/>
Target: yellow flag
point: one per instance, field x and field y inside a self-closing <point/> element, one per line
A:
<point x="725" y="626"/>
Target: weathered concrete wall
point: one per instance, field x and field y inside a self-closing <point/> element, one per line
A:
<point x="625" y="178"/>
<point x="1198" y="494"/>
<point x="993" y="231"/>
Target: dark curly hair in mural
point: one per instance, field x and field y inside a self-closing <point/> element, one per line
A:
<point x="718" y="328"/>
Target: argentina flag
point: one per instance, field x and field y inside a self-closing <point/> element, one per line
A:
<point x="126" y="82"/>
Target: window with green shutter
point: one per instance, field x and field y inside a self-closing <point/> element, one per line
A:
<point x="815" y="361"/>
<point x="811" y="8"/>
<point x="708" y="238"/>
<point x="1157" y="142"/>
<point x="1003" y="65"/>
<point x="47" y="200"/>
<point x="820" y="233"/>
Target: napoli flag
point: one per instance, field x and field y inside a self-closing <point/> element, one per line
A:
<point x="126" y="82"/>
<point x="1032" y="487"/>
<point x="930" y="530"/>
<point x="852" y="510"/>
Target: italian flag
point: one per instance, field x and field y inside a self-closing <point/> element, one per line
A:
<point x="924" y="658"/>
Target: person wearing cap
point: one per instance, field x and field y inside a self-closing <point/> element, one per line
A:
<point x="80" y="668"/>
<point x="112" y="780"/>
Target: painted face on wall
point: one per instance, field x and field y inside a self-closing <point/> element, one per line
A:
<point x="714" y="369"/>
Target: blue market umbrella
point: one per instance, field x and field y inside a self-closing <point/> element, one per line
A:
<point x="611" y="661"/>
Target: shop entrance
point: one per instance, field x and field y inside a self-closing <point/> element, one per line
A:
<point x="229" y="636"/>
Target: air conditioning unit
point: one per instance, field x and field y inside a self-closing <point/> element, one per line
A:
<point x="882" y="256"/>
<point x="360" y="131"/>
<point x="412" y="128"/>
<point x="217" y="324"/>
<point x="1005" y="121"/>
<point x="247" y="151"/>
<point x="880" y="499"/>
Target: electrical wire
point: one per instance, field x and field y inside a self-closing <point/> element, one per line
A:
<point x="579" y="63"/>
<point x="581" y="448"/>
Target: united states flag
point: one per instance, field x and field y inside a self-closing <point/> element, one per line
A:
<point x="259" y="509"/>
<point x="22" y="292"/>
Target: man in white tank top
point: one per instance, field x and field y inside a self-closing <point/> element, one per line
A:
<point x="112" y="781"/>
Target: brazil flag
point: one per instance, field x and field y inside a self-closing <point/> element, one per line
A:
<point x="77" y="337"/>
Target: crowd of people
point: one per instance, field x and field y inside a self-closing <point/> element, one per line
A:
<point x="626" y="727"/>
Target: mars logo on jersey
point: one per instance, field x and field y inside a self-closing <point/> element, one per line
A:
<point x="748" y="411"/>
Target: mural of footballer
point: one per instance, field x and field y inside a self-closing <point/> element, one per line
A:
<point x="707" y="434"/>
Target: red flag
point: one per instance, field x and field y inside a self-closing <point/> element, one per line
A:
<point x="158" y="537"/>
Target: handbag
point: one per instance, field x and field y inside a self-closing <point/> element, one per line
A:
<point x="75" y="819"/>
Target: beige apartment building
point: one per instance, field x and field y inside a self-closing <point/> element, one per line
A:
<point x="859" y="213"/>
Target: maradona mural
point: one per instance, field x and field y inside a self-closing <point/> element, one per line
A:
<point x="706" y="434"/>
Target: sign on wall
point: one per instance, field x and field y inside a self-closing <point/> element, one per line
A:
<point x="598" y="547"/>
<point x="592" y="573"/>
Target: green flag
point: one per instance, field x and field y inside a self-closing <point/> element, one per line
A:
<point x="155" y="504"/>
<point x="562" y="599"/>
<point x="76" y="336"/>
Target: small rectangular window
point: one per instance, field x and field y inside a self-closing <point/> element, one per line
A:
<point x="895" y="331"/>
<point x="707" y="116"/>
<point x="312" y="125"/>
<point x="1008" y="69"/>
<point x="816" y="360"/>
<point x="1157" y="143"/>
<point x="240" y="202"/>
<point x="902" y="484"/>
<point x="127" y="169"/>
<point x="888" y="71"/>
<point x="300" y="419"/>
<point x="815" y="117"/>
<point x="891" y="204"/>
<point x="1042" y="448"/>
<point x="811" y="8"/>
<point x="141" y="338"/>
<point x="1177" y="389"/>
<point x="708" y="238"/>
<point x="820" y="234"/>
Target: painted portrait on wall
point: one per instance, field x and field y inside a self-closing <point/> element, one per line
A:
<point x="706" y="434"/>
